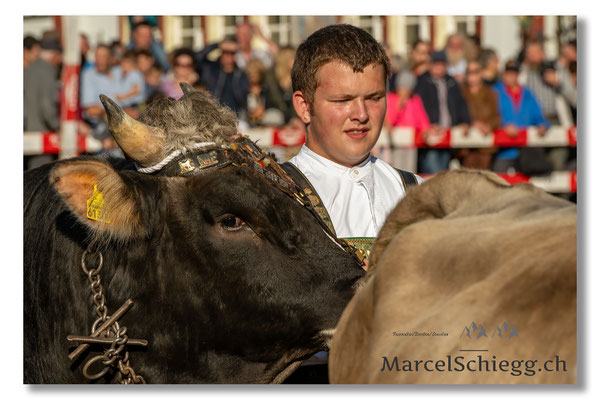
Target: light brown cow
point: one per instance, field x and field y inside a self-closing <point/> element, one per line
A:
<point x="464" y="254"/>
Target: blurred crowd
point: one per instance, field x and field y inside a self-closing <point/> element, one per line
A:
<point x="464" y="85"/>
<point x="430" y="90"/>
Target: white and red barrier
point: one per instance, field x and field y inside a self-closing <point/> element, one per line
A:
<point x="556" y="182"/>
<point x="556" y="136"/>
<point x="35" y="143"/>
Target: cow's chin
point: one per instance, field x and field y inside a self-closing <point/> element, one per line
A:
<point x="326" y="336"/>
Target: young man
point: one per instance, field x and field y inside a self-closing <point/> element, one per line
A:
<point x="339" y="81"/>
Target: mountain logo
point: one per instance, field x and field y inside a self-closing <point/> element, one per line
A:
<point x="502" y="331"/>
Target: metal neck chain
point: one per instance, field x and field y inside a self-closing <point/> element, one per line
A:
<point x="107" y="331"/>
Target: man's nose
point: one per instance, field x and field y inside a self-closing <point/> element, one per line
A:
<point x="359" y="110"/>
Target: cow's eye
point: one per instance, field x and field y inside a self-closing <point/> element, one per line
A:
<point x="231" y="222"/>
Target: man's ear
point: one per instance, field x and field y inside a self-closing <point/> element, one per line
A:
<point x="301" y="106"/>
<point x="100" y="199"/>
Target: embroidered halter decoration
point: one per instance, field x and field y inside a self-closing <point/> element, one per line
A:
<point x="207" y="157"/>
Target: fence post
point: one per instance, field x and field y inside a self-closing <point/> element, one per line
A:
<point x="69" y="98"/>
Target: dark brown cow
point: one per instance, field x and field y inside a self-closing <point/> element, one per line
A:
<point x="232" y="279"/>
<point x="471" y="274"/>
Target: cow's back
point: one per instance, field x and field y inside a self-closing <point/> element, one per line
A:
<point x="489" y="255"/>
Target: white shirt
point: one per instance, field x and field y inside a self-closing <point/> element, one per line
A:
<point x="358" y="199"/>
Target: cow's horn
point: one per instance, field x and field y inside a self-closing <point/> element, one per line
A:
<point x="139" y="141"/>
<point x="186" y="87"/>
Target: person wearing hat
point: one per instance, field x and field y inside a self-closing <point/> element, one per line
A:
<point x="223" y="78"/>
<point x="41" y="94"/>
<point x="445" y="107"/>
<point x="519" y="109"/>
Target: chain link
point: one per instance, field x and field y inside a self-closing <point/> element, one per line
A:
<point x="115" y="352"/>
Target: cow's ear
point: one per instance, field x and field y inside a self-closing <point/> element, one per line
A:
<point x="99" y="197"/>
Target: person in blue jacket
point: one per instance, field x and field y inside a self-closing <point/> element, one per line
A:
<point x="519" y="109"/>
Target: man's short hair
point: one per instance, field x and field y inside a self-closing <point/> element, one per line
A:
<point x="130" y="55"/>
<point x="29" y="42"/>
<point x="345" y="43"/>
<point x="142" y="23"/>
<point x="103" y="46"/>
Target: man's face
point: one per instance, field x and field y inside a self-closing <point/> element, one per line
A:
<point x="420" y="54"/>
<point x="569" y="52"/>
<point x="227" y="58"/>
<point x="510" y="78"/>
<point x="102" y="56"/>
<point x="244" y="35"/>
<point x="534" y="54"/>
<point x="437" y="69"/>
<point x="347" y="112"/>
<point x="474" y="77"/>
<point x="32" y="54"/>
<point x="142" y="36"/>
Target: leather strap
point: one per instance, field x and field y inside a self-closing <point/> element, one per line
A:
<point x="408" y="178"/>
<point x="310" y="192"/>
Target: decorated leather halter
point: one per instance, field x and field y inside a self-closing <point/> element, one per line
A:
<point x="244" y="153"/>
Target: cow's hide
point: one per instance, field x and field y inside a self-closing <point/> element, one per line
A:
<point x="463" y="253"/>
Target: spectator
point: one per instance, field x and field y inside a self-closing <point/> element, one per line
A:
<point x="490" y="67"/>
<point x="472" y="47"/>
<point x="455" y="55"/>
<point x="183" y="71"/>
<point x="41" y="89"/>
<point x="557" y="155"/>
<point x="131" y="90"/>
<point x="405" y="109"/>
<point x="445" y="106"/>
<point x="419" y="57"/>
<point x="152" y="79"/>
<point x="519" y="109"/>
<point x="547" y="93"/>
<point x="84" y="48"/>
<point x="397" y="65"/>
<point x="568" y="56"/>
<point x="483" y="110"/>
<point x="278" y="85"/>
<point x="152" y="20"/>
<point x="223" y="78"/>
<point x="255" y="71"/>
<point x="31" y="50"/>
<point x="116" y="53"/>
<point x="97" y="80"/>
<point x="572" y="77"/>
<point x="144" y="61"/>
<point x="244" y="34"/>
<point x="142" y="39"/>
<point x="40" y="95"/>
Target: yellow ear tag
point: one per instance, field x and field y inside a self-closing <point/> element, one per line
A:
<point x="95" y="207"/>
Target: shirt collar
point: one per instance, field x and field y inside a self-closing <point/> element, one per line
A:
<point x="305" y="152"/>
